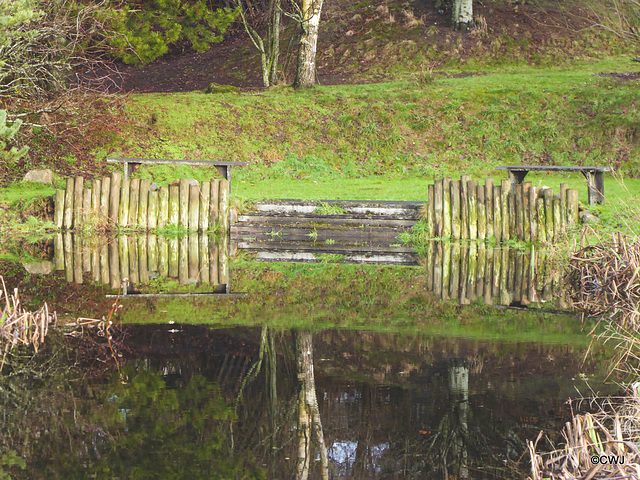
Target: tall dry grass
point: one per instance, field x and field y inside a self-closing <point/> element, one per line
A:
<point x="604" y="280"/>
<point x="19" y="326"/>
<point x="604" y="445"/>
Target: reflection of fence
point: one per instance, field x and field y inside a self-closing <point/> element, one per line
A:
<point x="189" y="259"/>
<point x="502" y="276"/>
<point x="467" y="209"/>
<point x="139" y="205"/>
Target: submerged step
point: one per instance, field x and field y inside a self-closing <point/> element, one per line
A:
<point x="364" y="258"/>
<point x="336" y="207"/>
<point x="325" y="221"/>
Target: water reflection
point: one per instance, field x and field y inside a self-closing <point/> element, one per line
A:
<point x="497" y="276"/>
<point x="139" y="259"/>
<point x="465" y="272"/>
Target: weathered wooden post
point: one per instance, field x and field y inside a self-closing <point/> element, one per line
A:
<point x="183" y="260"/>
<point x="214" y="199"/>
<point x="572" y="207"/>
<point x="472" y="270"/>
<point x="114" y="197"/>
<point x="431" y="211"/>
<point x="519" y="211"/>
<point x="524" y="292"/>
<point x="518" y="274"/>
<point x="152" y="209"/>
<point x="105" y="191"/>
<point x="134" y="271"/>
<point x="58" y="252"/>
<point x="143" y="258"/>
<point x="123" y="253"/>
<point x="464" y="205"/>
<point x="497" y="213"/>
<point x="428" y="264"/>
<point x="497" y="272"/>
<point x="223" y="259"/>
<point x="542" y="218"/>
<point x="184" y="204"/>
<point x="464" y="273"/>
<point x="526" y="188"/>
<point x="481" y="268"/>
<point x="204" y="248"/>
<point x="68" y="255"/>
<point x="456" y="224"/>
<point x="513" y="230"/>
<point x="96" y="188"/>
<point x="68" y="205"/>
<point x="77" y="202"/>
<point x="482" y="212"/>
<point x="125" y="195"/>
<point x="134" y="198"/>
<point x="488" y="277"/>
<point x="58" y="212"/>
<point x="95" y="264"/>
<point x="446" y="270"/>
<point x="488" y="184"/>
<point x="505" y="190"/>
<point x="454" y="280"/>
<point x="533" y="213"/>
<point x="205" y="196"/>
<point x="473" y="209"/>
<point x="163" y="207"/>
<point x="174" y="247"/>
<point x="143" y="204"/>
<point x="563" y="202"/>
<point x="163" y="256"/>
<point x="223" y="205"/>
<point x="438" y="206"/>
<point x="86" y="207"/>
<point x="437" y="269"/>
<point x="548" y="212"/>
<point x="446" y="208"/>
<point x="213" y="261"/>
<point x="557" y="218"/>
<point x="86" y="254"/>
<point x="114" y="264"/>
<point x="174" y="207"/>
<point x="194" y="258"/>
<point x="194" y="208"/>
<point x="105" y="274"/>
<point x="505" y="297"/>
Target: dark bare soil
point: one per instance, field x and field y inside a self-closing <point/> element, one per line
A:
<point x="361" y="45"/>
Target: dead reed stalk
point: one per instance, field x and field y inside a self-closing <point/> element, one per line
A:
<point x="604" y="445"/>
<point x="605" y="281"/>
<point x="19" y="326"/>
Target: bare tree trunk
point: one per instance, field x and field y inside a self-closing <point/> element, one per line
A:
<point x="309" y="422"/>
<point x="462" y="15"/>
<point x="306" y="76"/>
<point x="273" y="39"/>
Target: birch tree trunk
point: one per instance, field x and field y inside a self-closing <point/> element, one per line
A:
<point x="309" y="423"/>
<point x="306" y="75"/>
<point x="462" y="15"/>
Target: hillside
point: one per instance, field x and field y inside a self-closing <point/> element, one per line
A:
<point x="378" y="41"/>
<point x="533" y="83"/>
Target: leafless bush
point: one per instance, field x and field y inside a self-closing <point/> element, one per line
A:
<point x="66" y="47"/>
<point x="19" y="326"/>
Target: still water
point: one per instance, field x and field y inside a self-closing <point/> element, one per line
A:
<point x="292" y="370"/>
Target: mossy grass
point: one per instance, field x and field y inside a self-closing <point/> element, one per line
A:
<point x="389" y="299"/>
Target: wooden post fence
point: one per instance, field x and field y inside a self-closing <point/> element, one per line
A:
<point x="137" y="205"/>
<point x="468" y="209"/>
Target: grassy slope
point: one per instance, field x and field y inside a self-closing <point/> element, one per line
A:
<point x="535" y="96"/>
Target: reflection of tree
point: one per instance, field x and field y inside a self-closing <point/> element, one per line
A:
<point x="309" y="423"/>
<point x="448" y="448"/>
